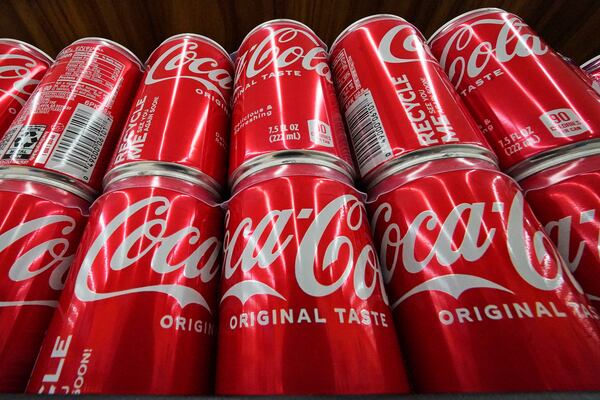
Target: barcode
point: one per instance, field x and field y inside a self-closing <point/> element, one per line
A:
<point x="79" y="146"/>
<point x="369" y="140"/>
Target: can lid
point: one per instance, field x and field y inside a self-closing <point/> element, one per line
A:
<point x="284" y="157"/>
<point x="590" y="64"/>
<point x="196" y="36"/>
<point x="411" y="159"/>
<point x="124" y="50"/>
<point x="49" y="178"/>
<point x="355" y="25"/>
<point x="165" y="169"/>
<point x="461" y="19"/>
<point x="32" y="49"/>
<point x="554" y="157"/>
<point x="282" y="20"/>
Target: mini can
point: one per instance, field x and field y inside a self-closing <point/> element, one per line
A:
<point x="21" y="68"/>
<point x="284" y="102"/>
<point x="483" y="300"/>
<point x="180" y="113"/>
<point x="303" y="309"/>
<point x="525" y="98"/>
<point x="39" y="233"/>
<point x="592" y="68"/>
<point x="566" y="199"/>
<point x="137" y="312"/>
<point x="69" y="126"/>
<point x="398" y="102"/>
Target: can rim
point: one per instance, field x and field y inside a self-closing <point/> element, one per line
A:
<point x="553" y="158"/>
<point x="464" y="17"/>
<point x="31" y="48"/>
<point x="119" y="46"/>
<point x="592" y="62"/>
<point x="32" y="174"/>
<point x="286" y="157"/>
<point x="198" y="36"/>
<point x="355" y="25"/>
<point x="160" y="168"/>
<point x="276" y="20"/>
<point x="414" y="158"/>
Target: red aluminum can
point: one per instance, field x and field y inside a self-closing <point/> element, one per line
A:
<point x="566" y="199"/>
<point x="284" y="102"/>
<point x="484" y="301"/>
<point x="398" y="102"/>
<point x="137" y="312"/>
<point x="303" y="309"/>
<point x="592" y="68"/>
<point x="21" y="68"/>
<point x="180" y="113"/>
<point x="39" y="232"/>
<point x="526" y="99"/>
<point x="69" y="126"/>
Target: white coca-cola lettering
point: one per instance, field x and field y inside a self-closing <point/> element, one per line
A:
<point x="18" y="69"/>
<point x="181" y="61"/>
<point x="280" y="49"/>
<point x="57" y="249"/>
<point x="412" y="44"/>
<point x="270" y="229"/>
<point x="512" y="41"/>
<point x="160" y="247"/>
<point x="448" y="248"/>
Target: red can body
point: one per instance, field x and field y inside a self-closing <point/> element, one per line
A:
<point x="592" y="68"/>
<point x="284" y="99"/>
<point x="525" y="98"/>
<point x="303" y="308"/>
<point x="70" y="124"/>
<point x="484" y="300"/>
<point x="181" y="111"/>
<point x="566" y="199"/>
<point x="39" y="234"/>
<point x="139" y="304"/>
<point x="22" y="67"/>
<point x="397" y="100"/>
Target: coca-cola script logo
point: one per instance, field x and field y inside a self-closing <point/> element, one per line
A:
<point x="157" y="244"/>
<point x="514" y="39"/>
<point x="412" y="45"/>
<point x="448" y="249"/>
<point x="182" y="61"/>
<point x="18" y="70"/>
<point x="27" y="265"/>
<point x="280" y="49"/>
<point x="241" y="252"/>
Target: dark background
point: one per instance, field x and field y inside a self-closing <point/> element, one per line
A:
<point x="570" y="26"/>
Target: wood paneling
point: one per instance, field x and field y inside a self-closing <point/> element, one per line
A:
<point x="571" y="26"/>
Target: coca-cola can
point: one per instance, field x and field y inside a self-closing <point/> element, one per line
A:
<point x="566" y="199"/>
<point x="303" y="309"/>
<point x="525" y="98"/>
<point x="398" y="102"/>
<point x="21" y="68"/>
<point x="592" y="68"/>
<point x="67" y="129"/>
<point x="284" y="102"/>
<point x="137" y="314"/>
<point x="39" y="233"/>
<point x="483" y="300"/>
<point x="180" y="113"/>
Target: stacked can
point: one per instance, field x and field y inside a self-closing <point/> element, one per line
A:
<point x="21" y="68"/>
<point x="592" y="68"/>
<point x="543" y="143"/>
<point x="478" y="292"/>
<point x="138" y="310"/>
<point x="303" y="307"/>
<point x="525" y="98"/>
<point x="51" y="160"/>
